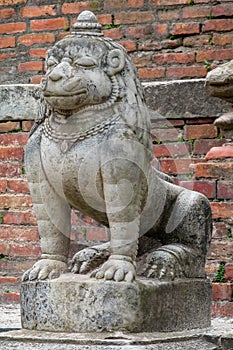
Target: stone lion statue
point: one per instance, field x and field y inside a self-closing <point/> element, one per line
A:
<point x="90" y="149"/>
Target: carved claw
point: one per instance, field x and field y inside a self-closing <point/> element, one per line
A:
<point x="88" y="259"/>
<point x="116" y="270"/>
<point x="163" y="266"/>
<point x="45" y="269"/>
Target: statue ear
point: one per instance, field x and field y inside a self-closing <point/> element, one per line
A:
<point x="115" y="61"/>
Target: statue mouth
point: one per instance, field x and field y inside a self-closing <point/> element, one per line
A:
<point x="65" y="94"/>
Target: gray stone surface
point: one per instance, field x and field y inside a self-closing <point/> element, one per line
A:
<point x="19" y="102"/>
<point x="75" y="303"/>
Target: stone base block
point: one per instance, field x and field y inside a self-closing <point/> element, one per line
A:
<point x="77" y="303"/>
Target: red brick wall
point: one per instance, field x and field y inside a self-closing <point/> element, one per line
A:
<point x="167" y="39"/>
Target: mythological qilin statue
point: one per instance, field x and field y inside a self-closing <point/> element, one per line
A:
<point x="90" y="149"/>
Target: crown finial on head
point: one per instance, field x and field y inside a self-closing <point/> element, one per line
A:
<point x="87" y="22"/>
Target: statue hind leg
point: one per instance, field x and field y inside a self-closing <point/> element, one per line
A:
<point x="54" y="241"/>
<point x="185" y="235"/>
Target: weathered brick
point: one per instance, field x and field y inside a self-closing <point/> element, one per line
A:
<point x="133" y="17"/>
<point x="222" y="309"/>
<point x="186" y="28"/>
<point x="4" y="248"/>
<point x="161" y="29"/>
<point x="7" y="42"/>
<point x="31" y="66"/>
<point x="11" y="2"/>
<point x="4" y="56"/>
<point x="7" y="13"/>
<point x="40" y="53"/>
<point x="205" y="187"/>
<point x="38" y="11"/>
<point x="214" y="170"/>
<point x="165" y="134"/>
<point x="142" y="60"/>
<point x="9" y="298"/>
<point x="9" y="126"/>
<point x="228" y="275"/>
<point x="9" y="28"/>
<point x="10" y="170"/>
<point x="104" y="19"/>
<point x="151" y="73"/>
<point x="30" y="39"/>
<point x="220" y="230"/>
<point x="168" y="15"/>
<point x="16" y="139"/>
<point x="222" y="291"/>
<point x="75" y="8"/>
<point x="21" y="218"/>
<point x="139" y="31"/>
<point x="8" y="279"/>
<point x="202" y="147"/>
<point x="27" y="125"/>
<point x="225" y="189"/>
<point x="11" y="153"/>
<point x="19" y="233"/>
<point x="176" y="166"/>
<point x="222" y="39"/>
<point x="168" y="58"/>
<point x="217" y="25"/>
<point x="49" y="24"/>
<point x="129" y="45"/>
<point x="36" y="79"/>
<point x="220" y="249"/>
<point x="26" y="250"/>
<point x="172" y="149"/>
<point x="8" y="201"/>
<point x="186" y="72"/>
<point x="97" y="234"/>
<point x="200" y="131"/>
<point x="222" y="10"/>
<point x="168" y="2"/>
<point x="113" y="33"/>
<point x="3" y="185"/>
<point x="220" y="153"/>
<point x="222" y="210"/>
<point x="110" y="5"/>
<point x="196" y="11"/>
<point x="211" y="55"/>
<point x="17" y="186"/>
<point x="196" y="41"/>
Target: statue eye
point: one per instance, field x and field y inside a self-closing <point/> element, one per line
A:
<point x="85" y="62"/>
<point x="51" y="62"/>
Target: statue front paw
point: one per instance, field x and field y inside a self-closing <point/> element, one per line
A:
<point x="164" y="266"/>
<point x="117" y="268"/>
<point x="89" y="259"/>
<point x="45" y="269"/>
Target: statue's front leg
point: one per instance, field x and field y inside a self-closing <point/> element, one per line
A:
<point x="53" y="217"/>
<point x="122" y="182"/>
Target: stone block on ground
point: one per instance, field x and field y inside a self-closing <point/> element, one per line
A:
<point x="77" y="303"/>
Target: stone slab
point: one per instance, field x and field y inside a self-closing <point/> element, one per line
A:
<point x="167" y="99"/>
<point x="19" y="102"/>
<point x="190" y="340"/>
<point x="182" y="99"/>
<point x="77" y="303"/>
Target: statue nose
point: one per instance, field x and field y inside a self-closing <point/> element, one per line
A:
<point x="62" y="70"/>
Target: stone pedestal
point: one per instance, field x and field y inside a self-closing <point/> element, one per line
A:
<point x="77" y="303"/>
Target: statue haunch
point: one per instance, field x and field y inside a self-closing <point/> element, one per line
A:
<point x="90" y="149"/>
